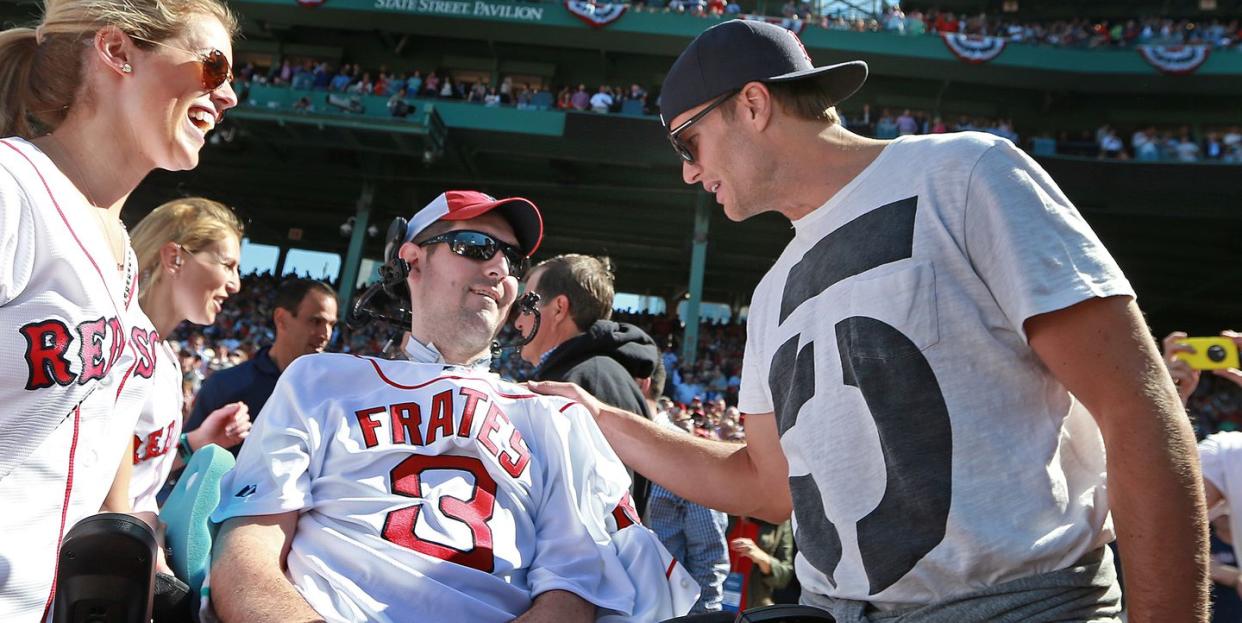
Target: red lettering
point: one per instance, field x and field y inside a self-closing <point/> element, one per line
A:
<point x="491" y="424"/>
<point x="369" y="424"/>
<point x="46" y="345"/>
<point x="474" y="512"/>
<point x="118" y="342"/>
<point x="143" y="344"/>
<point x="158" y="443"/>
<point x="516" y="467"/>
<point x="473" y="396"/>
<point x="91" y="336"/>
<point x="171" y="434"/>
<point x="624" y="513"/>
<point x="153" y="444"/>
<point x="441" y="416"/>
<point x="406" y="418"/>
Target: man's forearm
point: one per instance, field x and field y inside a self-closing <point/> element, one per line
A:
<point x="1160" y="516"/>
<point x="558" y="607"/>
<point x="716" y="474"/>
<point x="247" y="587"/>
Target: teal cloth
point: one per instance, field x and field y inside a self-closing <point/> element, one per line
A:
<point x="189" y="532"/>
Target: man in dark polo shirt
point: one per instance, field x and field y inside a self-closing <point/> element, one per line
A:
<point x="305" y="312"/>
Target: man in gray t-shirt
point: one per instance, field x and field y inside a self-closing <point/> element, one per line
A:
<point x="934" y="366"/>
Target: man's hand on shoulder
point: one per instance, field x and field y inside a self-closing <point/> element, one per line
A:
<point x="567" y="390"/>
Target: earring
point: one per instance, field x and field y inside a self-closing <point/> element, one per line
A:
<point x="126" y="68"/>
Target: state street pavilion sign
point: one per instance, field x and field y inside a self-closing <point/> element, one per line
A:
<point x="465" y="8"/>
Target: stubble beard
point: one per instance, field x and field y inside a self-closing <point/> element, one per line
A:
<point x="470" y="331"/>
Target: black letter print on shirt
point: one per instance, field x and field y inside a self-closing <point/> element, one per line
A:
<point x="901" y="393"/>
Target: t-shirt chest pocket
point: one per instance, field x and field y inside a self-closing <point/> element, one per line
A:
<point x="902" y="297"/>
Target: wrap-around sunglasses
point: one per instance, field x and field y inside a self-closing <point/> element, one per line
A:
<point x="481" y="247"/>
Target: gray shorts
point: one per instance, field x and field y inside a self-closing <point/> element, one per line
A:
<point x="1085" y="591"/>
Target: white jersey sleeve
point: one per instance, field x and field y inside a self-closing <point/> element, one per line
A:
<point x="1220" y="456"/>
<point x="663" y="587"/>
<point x="272" y="474"/>
<point x="16" y="238"/>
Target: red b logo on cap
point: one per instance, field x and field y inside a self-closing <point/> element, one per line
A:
<point x="800" y="46"/>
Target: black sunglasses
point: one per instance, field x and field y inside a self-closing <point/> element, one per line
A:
<point x="481" y="247"/>
<point x="680" y="147"/>
<point x="215" y="66"/>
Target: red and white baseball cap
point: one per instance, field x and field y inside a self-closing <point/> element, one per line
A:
<point x="462" y="205"/>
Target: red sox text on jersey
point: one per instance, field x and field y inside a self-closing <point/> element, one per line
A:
<point x="100" y="343"/>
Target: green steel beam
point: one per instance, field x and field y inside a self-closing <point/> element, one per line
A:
<point x="353" y="259"/>
<point x="698" y="265"/>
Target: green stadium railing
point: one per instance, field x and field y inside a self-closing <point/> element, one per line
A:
<point x="370" y="112"/>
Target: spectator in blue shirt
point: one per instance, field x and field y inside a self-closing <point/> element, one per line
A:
<point x="341" y="80"/>
<point x="305" y="312"/>
<point x="692" y="533"/>
<point x="414" y="83"/>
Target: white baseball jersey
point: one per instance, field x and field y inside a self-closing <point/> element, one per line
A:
<point x="156" y="382"/>
<point x="664" y="589"/>
<point x="65" y="317"/>
<point x="435" y="492"/>
<point x="1220" y="456"/>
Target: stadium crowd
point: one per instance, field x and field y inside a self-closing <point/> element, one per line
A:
<point x="1076" y="33"/>
<point x="920" y="19"/>
<point x="1151" y="143"/>
<point x="346" y="84"/>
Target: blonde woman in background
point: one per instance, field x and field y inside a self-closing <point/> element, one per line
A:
<point x="96" y="96"/>
<point x="188" y="255"/>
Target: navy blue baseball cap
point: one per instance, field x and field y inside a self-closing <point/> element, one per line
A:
<point x="728" y="55"/>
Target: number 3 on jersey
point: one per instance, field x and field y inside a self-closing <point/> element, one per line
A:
<point x="407" y="480"/>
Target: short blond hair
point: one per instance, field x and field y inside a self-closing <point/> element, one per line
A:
<point x="41" y="66"/>
<point x="192" y="222"/>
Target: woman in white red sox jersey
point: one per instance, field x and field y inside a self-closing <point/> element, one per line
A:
<point x="188" y="253"/>
<point x="96" y="96"/>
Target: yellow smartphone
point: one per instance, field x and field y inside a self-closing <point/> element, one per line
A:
<point x="1211" y="353"/>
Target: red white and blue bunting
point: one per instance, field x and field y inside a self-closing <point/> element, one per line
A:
<point x="973" y="49"/>
<point x="796" y="26"/>
<point x="595" y="15"/>
<point x="1176" y="60"/>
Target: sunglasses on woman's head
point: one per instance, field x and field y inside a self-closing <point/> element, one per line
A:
<point x="216" y="69"/>
<point x="481" y="247"/>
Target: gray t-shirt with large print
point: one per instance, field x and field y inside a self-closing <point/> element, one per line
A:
<point x="931" y="453"/>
